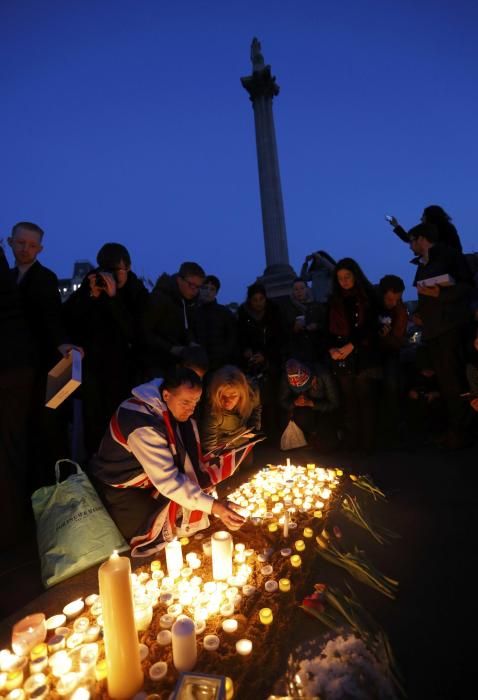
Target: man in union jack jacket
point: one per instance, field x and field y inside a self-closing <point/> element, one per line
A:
<point x="149" y="469"/>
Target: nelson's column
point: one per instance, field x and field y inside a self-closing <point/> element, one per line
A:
<point x="262" y="88"/>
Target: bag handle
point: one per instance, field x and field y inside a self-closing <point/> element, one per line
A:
<point x="79" y="470"/>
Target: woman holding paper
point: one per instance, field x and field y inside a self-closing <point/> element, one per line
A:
<point x="149" y="468"/>
<point x="232" y="412"/>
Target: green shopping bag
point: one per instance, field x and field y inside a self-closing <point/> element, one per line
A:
<point x="74" y="530"/>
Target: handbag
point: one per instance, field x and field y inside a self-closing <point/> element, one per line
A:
<point x="292" y="437"/>
<point x="74" y="530"/>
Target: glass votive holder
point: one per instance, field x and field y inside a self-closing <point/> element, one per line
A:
<point x="265" y="616"/>
<point x="27" y="633"/>
<point x="284" y="585"/>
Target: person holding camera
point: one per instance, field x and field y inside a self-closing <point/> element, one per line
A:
<point x="102" y="316"/>
<point x="318" y="268"/>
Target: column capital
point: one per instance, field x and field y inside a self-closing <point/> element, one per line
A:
<point x="260" y="84"/>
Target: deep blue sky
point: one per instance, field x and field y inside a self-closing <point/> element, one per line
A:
<point x="124" y="120"/>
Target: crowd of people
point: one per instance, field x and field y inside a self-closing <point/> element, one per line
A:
<point x="172" y="377"/>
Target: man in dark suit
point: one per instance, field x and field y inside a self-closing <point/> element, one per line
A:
<point x="41" y="306"/>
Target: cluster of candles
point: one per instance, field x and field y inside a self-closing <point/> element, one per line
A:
<point x="67" y="651"/>
<point x="274" y="495"/>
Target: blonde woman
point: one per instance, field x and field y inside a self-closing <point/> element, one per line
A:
<point x="232" y="406"/>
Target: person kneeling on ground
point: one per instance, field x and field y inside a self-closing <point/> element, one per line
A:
<point x="310" y="397"/>
<point x="149" y="468"/>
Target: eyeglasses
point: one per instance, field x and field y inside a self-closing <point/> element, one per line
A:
<point x="193" y="287"/>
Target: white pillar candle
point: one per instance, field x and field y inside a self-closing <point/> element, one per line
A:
<point x="174" y="558"/>
<point x="120" y="636"/>
<point x="184" y="644"/>
<point x="221" y="550"/>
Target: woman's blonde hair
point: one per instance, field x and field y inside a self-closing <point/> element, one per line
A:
<point x="230" y="377"/>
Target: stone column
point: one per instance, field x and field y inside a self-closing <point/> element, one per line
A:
<point x="262" y="88"/>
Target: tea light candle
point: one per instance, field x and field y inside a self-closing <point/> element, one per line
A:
<point x="88" y="657"/>
<point x="74" y="640"/>
<point x="200" y="626"/>
<point x="166" y="621"/>
<point x="271" y="586"/>
<point x="17" y="694"/>
<point x="240" y="547"/>
<point x="81" y="694"/>
<point x="73" y="609"/>
<point x="174" y="558"/>
<point x="60" y="663"/>
<point x="229" y="625"/>
<point x="284" y="585"/>
<point x="14" y="679"/>
<point x="273" y="527"/>
<point x="101" y="670"/>
<point x="186" y="572"/>
<point x="38" y="665"/>
<point x="267" y="570"/>
<point x="81" y="624"/>
<point x="92" y="598"/>
<point x="207" y="547"/>
<point x="55" y="621"/>
<point x="120" y="635"/>
<point x="63" y="632"/>
<point x="56" y="643"/>
<point x="92" y="633"/>
<point x="143" y="613"/>
<point x="244" y="647"/>
<point x="97" y="608"/>
<point x="67" y="683"/>
<point x="38" y="651"/>
<point x="248" y="590"/>
<point x="175" y="610"/>
<point x="308" y="532"/>
<point x="158" y="670"/>
<point x="164" y="638"/>
<point x="227" y="609"/>
<point x="295" y="560"/>
<point x="143" y="652"/>
<point x="265" y="616"/>
<point x="184" y="644"/>
<point x="221" y="552"/>
<point x="28" y="633"/>
<point x="211" y="642"/>
<point x="299" y="545"/>
<point x="286" y="552"/>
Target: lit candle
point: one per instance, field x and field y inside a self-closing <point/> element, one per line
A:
<point x="299" y="545"/>
<point x="166" y="621"/>
<point x="286" y="552"/>
<point x="92" y="598"/>
<point x="227" y="608"/>
<point x="101" y="669"/>
<point x="67" y="683"/>
<point x="265" y="616"/>
<point x="248" y="590"/>
<point x="284" y="585"/>
<point x="207" y="547"/>
<point x="14" y="680"/>
<point x="271" y="586"/>
<point x="92" y="633"/>
<point x="229" y="625"/>
<point x="74" y="640"/>
<point x="28" y="633"/>
<point x="229" y="686"/>
<point x="295" y="560"/>
<point x="38" y="651"/>
<point x="211" y="642"/>
<point x="73" y="609"/>
<point x="174" y="558"/>
<point x="221" y="551"/>
<point x="244" y="647"/>
<point x="273" y="527"/>
<point x="55" y="621"/>
<point x="286" y="524"/>
<point x="120" y="636"/>
<point x="164" y="638"/>
<point x="308" y="532"/>
<point x="38" y="665"/>
<point x="143" y="613"/>
<point x="158" y="670"/>
<point x="81" y="624"/>
<point x="266" y="570"/>
<point x="81" y="694"/>
<point x="184" y="644"/>
<point x="88" y="657"/>
<point x="60" y="663"/>
<point x="17" y="694"/>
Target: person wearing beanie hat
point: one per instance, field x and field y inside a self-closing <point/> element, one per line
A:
<point x="309" y="396"/>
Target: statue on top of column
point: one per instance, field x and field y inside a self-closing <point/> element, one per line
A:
<point x="257" y="58"/>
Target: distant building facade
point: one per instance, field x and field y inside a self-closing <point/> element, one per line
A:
<point x="68" y="286"/>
